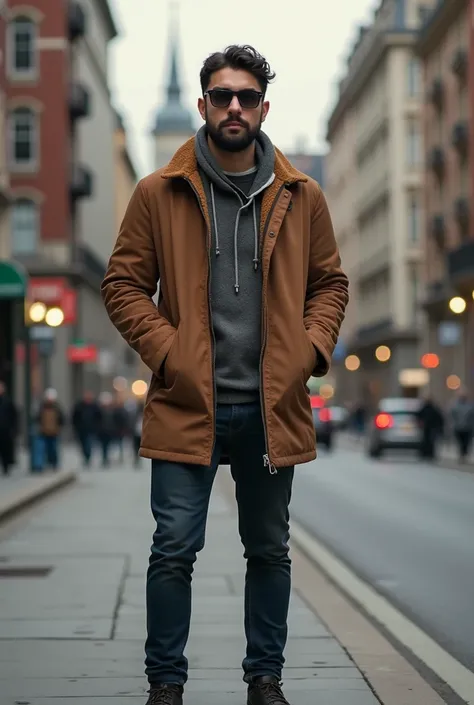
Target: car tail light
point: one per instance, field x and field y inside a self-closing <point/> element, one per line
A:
<point x="325" y="415"/>
<point x="384" y="421"/>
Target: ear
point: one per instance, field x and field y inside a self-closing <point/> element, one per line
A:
<point x="202" y="107"/>
<point x="265" y="109"/>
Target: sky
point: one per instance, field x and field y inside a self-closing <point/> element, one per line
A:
<point x="305" y="41"/>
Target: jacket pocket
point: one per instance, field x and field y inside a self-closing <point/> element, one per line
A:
<point x="310" y="356"/>
<point x="171" y="364"/>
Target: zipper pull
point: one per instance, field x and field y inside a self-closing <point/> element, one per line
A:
<point x="267" y="464"/>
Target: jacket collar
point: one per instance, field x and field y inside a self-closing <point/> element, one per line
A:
<point x="184" y="165"/>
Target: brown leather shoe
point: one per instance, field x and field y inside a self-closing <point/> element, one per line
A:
<point x="166" y="694"/>
<point x="266" y="690"/>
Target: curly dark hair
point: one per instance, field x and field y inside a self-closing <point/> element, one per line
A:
<point x="243" y="57"/>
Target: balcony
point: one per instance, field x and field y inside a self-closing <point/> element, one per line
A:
<point x="461" y="263"/>
<point x="436" y="94"/>
<point x="459" y="64"/>
<point x="76" y="21"/>
<point x="438" y="230"/>
<point x="460" y="138"/>
<point x="461" y="214"/>
<point x="437" y="161"/>
<point x="81" y="183"/>
<point x="79" y="101"/>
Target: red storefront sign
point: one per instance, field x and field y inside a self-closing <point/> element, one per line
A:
<point x="47" y="290"/>
<point x="82" y="353"/>
<point x="54" y="291"/>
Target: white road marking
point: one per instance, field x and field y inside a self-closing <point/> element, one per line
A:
<point x="459" y="678"/>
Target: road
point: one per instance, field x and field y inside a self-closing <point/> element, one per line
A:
<point x="406" y="528"/>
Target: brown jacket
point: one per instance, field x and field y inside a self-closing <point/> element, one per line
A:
<point x="165" y="237"/>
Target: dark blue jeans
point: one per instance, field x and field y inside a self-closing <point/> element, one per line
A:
<point x="179" y="500"/>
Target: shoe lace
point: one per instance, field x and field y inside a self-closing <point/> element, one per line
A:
<point x="163" y="694"/>
<point x="273" y="693"/>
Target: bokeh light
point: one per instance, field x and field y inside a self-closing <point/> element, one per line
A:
<point x="352" y="363"/>
<point x="139" y="388"/>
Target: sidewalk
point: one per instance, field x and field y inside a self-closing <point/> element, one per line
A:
<point x="72" y="628"/>
<point x="21" y="488"/>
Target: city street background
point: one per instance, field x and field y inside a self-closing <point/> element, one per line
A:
<point x="375" y="100"/>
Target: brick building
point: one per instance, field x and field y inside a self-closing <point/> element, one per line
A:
<point x="61" y="158"/>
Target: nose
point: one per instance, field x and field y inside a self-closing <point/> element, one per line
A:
<point x="234" y="106"/>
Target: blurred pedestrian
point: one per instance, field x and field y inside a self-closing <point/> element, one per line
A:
<point x="107" y="430"/>
<point x="247" y="253"/>
<point x="85" y="422"/>
<point x="8" y="430"/>
<point x="137" y="430"/>
<point x="432" y="427"/>
<point x="122" y="426"/>
<point x="462" y="420"/>
<point x="50" y="421"/>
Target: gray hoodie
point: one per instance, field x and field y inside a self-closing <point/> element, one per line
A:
<point x="236" y="281"/>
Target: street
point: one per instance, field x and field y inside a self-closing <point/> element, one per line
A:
<point x="404" y="527"/>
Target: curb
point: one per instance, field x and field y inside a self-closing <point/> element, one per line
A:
<point x="380" y="640"/>
<point x="30" y="495"/>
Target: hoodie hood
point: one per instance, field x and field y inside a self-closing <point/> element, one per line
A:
<point x="264" y="177"/>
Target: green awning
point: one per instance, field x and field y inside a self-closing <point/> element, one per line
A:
<point x="13" y="280"/>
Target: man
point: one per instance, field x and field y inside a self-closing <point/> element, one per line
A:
<point x="8" y="430"/>
<point x="50" y="421"/>
<point x="432" y="427"/>
<point x="250" y="305"/>
<point x="86" y="420"/>
<point x="462" y="420"/>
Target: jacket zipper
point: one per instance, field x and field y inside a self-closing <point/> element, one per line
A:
<point x="213" y="338"/>
<point x="266" y="457"/>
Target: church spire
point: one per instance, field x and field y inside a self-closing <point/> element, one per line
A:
<point x="174" y="89"/>
<point x="173" y="117"/>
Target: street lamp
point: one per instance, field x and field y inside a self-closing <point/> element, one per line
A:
<point x="37" y="312"/>
<point x="54" y="317"/>
<point x="457" y="305"/>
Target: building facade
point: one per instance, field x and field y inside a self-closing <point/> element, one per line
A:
<point x="6" y="300"/>
<point x="446" y="48"/>
<point x="61" y="161"/>
<point x="375" y="176"/>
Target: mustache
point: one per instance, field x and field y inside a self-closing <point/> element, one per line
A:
<point x="224" y="123"/>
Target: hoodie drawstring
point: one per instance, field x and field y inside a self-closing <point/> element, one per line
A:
<point x="236" y="234"/>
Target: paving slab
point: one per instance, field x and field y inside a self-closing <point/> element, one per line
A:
<point x="76" y="635"/>
<point x="329" y="697"/>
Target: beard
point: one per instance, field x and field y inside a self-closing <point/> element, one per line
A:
<point x="233" y="143"/>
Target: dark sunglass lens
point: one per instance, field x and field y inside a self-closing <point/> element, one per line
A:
<point x="249" y="98"/>
<point x="221" y="98"/>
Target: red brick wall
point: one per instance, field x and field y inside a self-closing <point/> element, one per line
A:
<point x="51" y="92"/>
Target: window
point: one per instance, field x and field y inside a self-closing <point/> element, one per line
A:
<point x="413" y="143"/>
<point x="413" y="78"/>
<point x="22" y="36"/>
<point x="25" y="227"/>
<point x="23" y="137"/>
<point x="414" y="215"/>
<point x="414" y="293"/>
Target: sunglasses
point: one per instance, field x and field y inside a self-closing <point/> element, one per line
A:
<point x="222" y="97"/>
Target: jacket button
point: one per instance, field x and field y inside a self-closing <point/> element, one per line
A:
<point x="271" y="233"/>
<point x="286" y="194"/>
